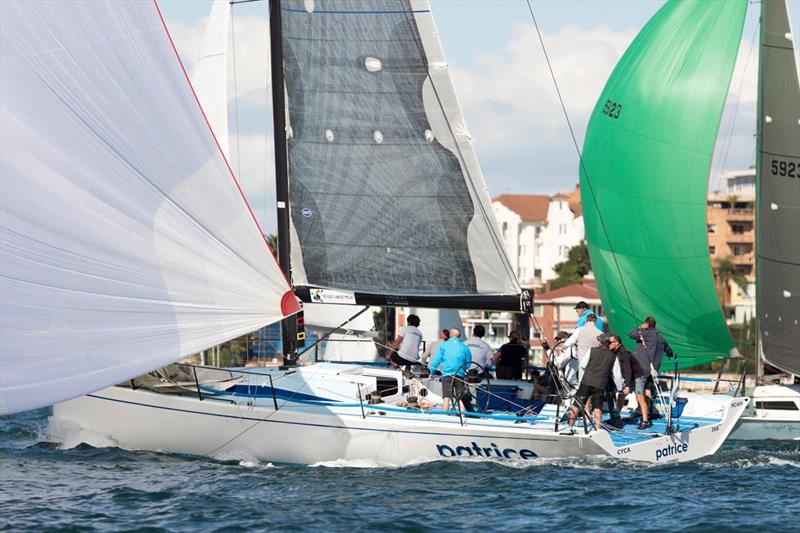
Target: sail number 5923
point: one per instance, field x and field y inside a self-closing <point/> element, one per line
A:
<point x="779" y="167"/>
<point x="612" y="109"/>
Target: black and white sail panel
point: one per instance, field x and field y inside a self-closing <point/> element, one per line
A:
<point x="386" y="193"/>
<point x="778" y="224"/>
<point x="125" y="242"/>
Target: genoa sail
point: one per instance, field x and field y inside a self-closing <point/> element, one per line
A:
<point x="388" y="203"/>
<point x="646" y="159"/>
<point x="210" y="74"/>
<point x="125" y="242"/>
<point x="778" y="222"/>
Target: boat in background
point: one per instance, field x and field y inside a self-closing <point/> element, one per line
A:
<point x="774" y="412"/>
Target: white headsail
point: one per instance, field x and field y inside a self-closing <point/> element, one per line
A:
<point x="125" y="242"/>
<point x="210" y="74"/>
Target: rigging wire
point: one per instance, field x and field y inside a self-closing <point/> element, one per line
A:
<point x="738" y="101"/>
<point x="580" y="159"/>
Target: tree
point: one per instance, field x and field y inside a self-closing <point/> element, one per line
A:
<point x="574" y="268"/>
<point x="272" y="240"/>
<point x="725" y="273"/>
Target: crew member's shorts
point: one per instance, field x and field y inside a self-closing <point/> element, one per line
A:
<point x="591" y="393"/>
<point x="641" y="383"/>
<point x="452" y="387"/>
<point x="401" y="361"/>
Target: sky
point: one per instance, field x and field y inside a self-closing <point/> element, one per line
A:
<point x="501" y="79"/>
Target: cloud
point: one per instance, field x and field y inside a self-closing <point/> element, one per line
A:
<point x="513" y="112"/>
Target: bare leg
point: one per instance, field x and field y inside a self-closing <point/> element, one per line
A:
<point x="447" y="404"/>
<point x="643" y="407"/>
<point x="598" y="418"/>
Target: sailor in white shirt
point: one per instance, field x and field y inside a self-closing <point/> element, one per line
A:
<point x="584" y="338"/>
<point x="567" y="361"/>
<point x="481" y="351"/>
<point x="405" y="348"/>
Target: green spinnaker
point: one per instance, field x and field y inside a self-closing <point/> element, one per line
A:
<point x="646" y="159"/>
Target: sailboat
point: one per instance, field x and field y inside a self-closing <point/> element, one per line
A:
<point x="775" y="410"/>
<point x="646" y="160"/>
<point x="380" y="201"/>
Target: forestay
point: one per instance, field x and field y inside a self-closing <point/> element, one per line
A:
<point x="646" y="158"/>
<point x="126" y="243"/>
<point x="778" y="225"/>
<point x="386" y="193"/>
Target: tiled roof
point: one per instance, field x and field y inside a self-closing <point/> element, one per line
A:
<point x="529" y="207"/>
<point x="578" y="291"/>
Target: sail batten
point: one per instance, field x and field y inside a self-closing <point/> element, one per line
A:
<point x="386" y="192"/>
<point x="125" y="241"/>
<point x="778" y="203"/>
<point x="646" y="159"/>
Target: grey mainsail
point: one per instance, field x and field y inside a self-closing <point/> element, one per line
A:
<point x="386" y="194"/>
<point x="778" y="226"/>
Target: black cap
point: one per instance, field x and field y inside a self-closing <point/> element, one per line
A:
<point x="603" y="338"/>
<point x="582" y="305"/>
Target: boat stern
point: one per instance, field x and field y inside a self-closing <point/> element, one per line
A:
<point x="702" y="439"/>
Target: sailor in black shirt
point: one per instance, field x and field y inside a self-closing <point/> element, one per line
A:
<point x="510" y="356"/>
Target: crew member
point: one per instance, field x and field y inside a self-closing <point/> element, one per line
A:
<point x="597" y="365"/>
<point x="405" y="348"/>
<point x="650" y="348"/>
<point x="510" y="356"/>
<point x="583" y="310"/>
<point x="480" y="350"/>
<point x="454" y="357"/>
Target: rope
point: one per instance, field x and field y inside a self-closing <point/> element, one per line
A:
<point x="580" y="158"/>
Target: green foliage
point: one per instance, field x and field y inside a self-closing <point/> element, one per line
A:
<point x="574" y="268"/>
<point x="726" y="272"/>
<point x="272" y="240"/>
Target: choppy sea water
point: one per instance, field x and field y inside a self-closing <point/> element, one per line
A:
<point x="62" y="484"/>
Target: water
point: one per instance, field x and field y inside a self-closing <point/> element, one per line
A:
<point x="46" y="485"/>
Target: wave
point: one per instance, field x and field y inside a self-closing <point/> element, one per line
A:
<point x="67" y="435"/>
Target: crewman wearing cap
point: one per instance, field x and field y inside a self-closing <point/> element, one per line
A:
<point x="584" y="311"/>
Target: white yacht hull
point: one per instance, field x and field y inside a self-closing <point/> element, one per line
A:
<point x="773" y="415"/>
<point x="307" y="434"/>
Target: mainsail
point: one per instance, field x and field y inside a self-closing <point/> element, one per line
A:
<point x="778" y="222"/>
<point x="646" y="159"/>
<point x="388" y="202"/>
<point x="125" y="242"/>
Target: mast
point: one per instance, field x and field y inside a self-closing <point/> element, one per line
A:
<point x="759" y="119"/>
<point x="288" y="325"/>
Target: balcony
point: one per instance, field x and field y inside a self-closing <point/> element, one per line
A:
<point x="745" y="237"/>
<point x="741" y="213"/>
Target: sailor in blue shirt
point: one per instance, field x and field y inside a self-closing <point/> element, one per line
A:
<point x="455" y="358"/>
<point x="584" y="311"/>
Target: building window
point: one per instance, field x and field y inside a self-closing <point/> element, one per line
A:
<point x="741" y="249"/>
<point x="505" y="231"/>
<point x="712" y="228"/>
<point x="712" y="250"/>
<point x="537" y="273"/>
<point x="538" y="310"/>
<point x="538" y="232"/>
<point x="562" y="229"/>
<point x="563" y="251"/>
